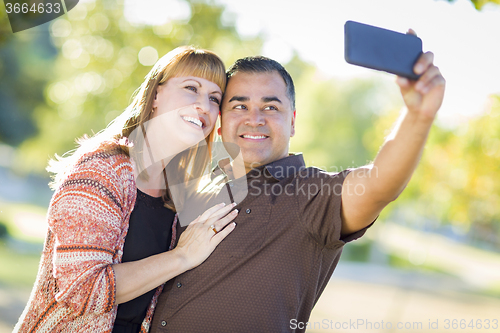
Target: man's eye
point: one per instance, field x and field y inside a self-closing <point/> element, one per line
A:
<point x="271" y="107"/>
<point x="215" y="99"/>
<point x="192" y="88"/>
<point x="240" y="107"/>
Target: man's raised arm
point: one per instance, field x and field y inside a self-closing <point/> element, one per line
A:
<point x="369" y="189"/>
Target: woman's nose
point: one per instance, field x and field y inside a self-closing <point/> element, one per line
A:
<point x="203" y="104"/>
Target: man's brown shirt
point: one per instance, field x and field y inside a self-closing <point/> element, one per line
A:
<point x="276" y="263"/>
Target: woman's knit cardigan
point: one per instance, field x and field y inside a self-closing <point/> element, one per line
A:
<point x="88" y="220"/>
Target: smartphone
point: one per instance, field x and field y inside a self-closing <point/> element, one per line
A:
<point x="381" y="49"/>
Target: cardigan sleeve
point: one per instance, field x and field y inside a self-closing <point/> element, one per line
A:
<point x="88" y="216"/>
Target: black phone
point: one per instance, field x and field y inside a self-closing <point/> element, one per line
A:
<point x="381" y="49"/>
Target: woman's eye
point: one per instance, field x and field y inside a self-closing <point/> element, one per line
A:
<point x="192" y="88"/>
<point x="215" y="99"/>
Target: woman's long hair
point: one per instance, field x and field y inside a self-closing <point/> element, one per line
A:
<point x="182" y="61"/>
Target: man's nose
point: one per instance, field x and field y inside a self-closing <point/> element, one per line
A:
<point x="255" y="118"/>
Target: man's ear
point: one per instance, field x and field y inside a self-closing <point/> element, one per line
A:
<point x="219" y="131"/>
<point x="292" y="132"/>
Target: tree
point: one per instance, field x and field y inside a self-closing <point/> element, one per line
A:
<point x="457" y="181"/>
<point x="480" y="3"/>
<point x="335" y="117"/>
<point x="25" y="60"/>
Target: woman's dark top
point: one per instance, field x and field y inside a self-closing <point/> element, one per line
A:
<point x="149" y="233"/>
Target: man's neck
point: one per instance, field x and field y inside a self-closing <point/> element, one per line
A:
<point x="237" y="168"/>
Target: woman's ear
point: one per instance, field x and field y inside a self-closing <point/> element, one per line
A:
<point x="155" y="100"/>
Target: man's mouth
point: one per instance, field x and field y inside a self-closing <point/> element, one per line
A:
<point x="193" y="120"/>
<point x="253" y="137"/>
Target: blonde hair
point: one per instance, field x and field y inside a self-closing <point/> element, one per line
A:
<point x="182" y="61"/>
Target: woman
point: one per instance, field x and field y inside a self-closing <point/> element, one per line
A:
<point x="111" y="219"/>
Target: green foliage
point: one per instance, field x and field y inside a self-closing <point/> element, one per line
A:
<point x="333" y="116"/>
<point x="3" y="231"/>
<point x="25" y="60"/>
<point x="19" y="270"/>
<point x="5" y="30"/>
<point x="88" y="77"/>
<point x="480" y="3"/>
<point x="457" y="180"/>
<point x="16" y="218"/>
<point x="357" y="251"/>
<point x="396" y="260"/>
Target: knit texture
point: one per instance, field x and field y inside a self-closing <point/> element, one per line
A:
<point x="88" y="220"/>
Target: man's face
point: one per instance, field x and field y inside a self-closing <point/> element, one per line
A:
<point x="258" y="117"/>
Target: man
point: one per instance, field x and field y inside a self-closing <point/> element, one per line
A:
<point x="267" y="275"/>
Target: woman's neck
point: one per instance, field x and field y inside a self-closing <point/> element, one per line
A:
<point x="154" y="184"/>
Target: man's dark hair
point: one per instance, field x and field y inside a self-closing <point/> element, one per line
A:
<point x="260" y="64"/>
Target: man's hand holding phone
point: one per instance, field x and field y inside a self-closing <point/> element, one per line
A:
<point x="421" y="83"/>
<point x="425" y="96"/>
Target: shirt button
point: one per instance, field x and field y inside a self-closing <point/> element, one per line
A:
<point x="179" y="284"/>
<point x="248" y="210"/>
<point x="163" y="323"/>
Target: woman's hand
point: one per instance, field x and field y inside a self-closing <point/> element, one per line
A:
<point x="199" y="240"/>
<point x="196" y="243"/>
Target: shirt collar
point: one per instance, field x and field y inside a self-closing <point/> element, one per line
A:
<point x="280" y="169"/>
<point x="286" y="166"/>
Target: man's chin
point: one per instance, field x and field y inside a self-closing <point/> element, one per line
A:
<point x="252" y="161"/>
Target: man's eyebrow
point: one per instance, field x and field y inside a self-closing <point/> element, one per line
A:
<point x="239" y="99"/>
<point x="268" y="99"/>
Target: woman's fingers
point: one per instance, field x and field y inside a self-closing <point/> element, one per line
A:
<point x="219" y="224"/>
<point x="218" y="214"/>
<point x="210" y="211"/>
<point x="217" y="238"/>
<point x="200" y="239"/>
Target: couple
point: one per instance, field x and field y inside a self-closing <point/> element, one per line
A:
<point x="113" y="238"/>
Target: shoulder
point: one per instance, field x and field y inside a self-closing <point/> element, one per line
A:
<point x="316" y="184"/>
<point x="104" y="162"/>
<point x="106" y="171"/>
<point x="314" y="173"/>
<point x="96" y="195"/>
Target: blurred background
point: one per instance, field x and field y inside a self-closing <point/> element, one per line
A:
<point x="434" y="255"/>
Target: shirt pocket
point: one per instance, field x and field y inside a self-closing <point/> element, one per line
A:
<point x="250" y="232"/>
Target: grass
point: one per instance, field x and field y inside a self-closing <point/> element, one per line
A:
<point x="403" y="263"/>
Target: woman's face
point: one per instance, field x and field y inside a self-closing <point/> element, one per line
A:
<point x="187" y="108"/>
